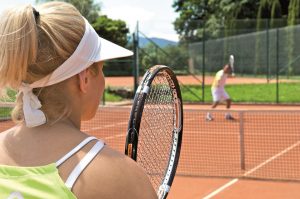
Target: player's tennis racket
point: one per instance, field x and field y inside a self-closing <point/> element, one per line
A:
<point x="231" y="64"/>
<point x="155" y="127"/>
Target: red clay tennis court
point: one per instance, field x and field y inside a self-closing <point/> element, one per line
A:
<point x="255" y="156"/>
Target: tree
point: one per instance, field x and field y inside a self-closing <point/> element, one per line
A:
<point x="293" y="11"/>
<point x="112" y="30"/>
<point x="175" y="56"/>
<point x="293" y="16"/>
<point x="289" y="12"/>
<point x="88" y="8"/>
<point x="115" y="31"/>
<point x="192" y="13"/>
<point x="270" y="10"/>
<point x="213" y="16"/>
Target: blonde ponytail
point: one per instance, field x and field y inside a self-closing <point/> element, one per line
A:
<point x="33" y="47"/>
<point x="19" y="43"/>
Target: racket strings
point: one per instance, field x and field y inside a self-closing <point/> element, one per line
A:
<point x="153" y="148"/>
<point x="156" y="135"/>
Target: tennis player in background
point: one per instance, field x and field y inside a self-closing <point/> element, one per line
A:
<point x="54" y="58"/>
<point x="218" y="91"/>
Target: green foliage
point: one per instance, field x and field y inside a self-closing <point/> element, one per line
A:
<point x="250" y="93"/>
<point x="268" y="10"/>
<point x="294" y="11"/>
<point x="190" y="11"/>
<point x="293" y="15"/>
<point x="110" y="97"/>
<point x="245" y="93"/>
<point x="115" y="31"/>
<point x="175" y="57"/>
<point x="211" y="15"/>
<point x="195" y="16"/>
<point x="112" y="30"/>
<point x="9" y="96"/>
<point x="118" y="67"/>
<point x="178" y="57"/>
<point x="148" y="57"/>
<point x="5" y="112"/>
<point x="88" y="8"/>
<point x="264" y="9"/>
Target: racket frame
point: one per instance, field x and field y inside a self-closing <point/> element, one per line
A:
<point x="131" y="146"/>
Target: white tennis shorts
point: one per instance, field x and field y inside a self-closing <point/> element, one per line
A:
<point x="219" y="94"/>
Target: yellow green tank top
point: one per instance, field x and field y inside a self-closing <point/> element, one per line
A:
<point x="44" y="182"/>
<point x="219" y="80"/>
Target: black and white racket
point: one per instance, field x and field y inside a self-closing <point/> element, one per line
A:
<point x="155" y="127"/>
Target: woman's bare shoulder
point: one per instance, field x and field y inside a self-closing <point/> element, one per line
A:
<point x="113" y="175"/>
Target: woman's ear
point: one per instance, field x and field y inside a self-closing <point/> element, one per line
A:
<point x="83" y="81"/>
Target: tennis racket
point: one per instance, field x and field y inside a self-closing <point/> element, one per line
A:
<point x="155" y="127"/>
<point x="231" y="63"/>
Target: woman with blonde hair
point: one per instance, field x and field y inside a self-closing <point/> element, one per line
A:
<point x="54" y="58"/>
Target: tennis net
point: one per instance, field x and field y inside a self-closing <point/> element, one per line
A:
<point x="257" y="144"/>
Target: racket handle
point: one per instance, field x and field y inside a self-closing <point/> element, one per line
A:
<point x="131" y="146"/>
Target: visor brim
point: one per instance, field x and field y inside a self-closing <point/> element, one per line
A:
<point x="110" y="50"/>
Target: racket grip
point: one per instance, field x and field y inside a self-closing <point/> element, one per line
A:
<point x="131" y="146"/>
<point x="129" y="150"/>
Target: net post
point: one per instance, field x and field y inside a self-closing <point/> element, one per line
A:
<point x="242" y="140"/>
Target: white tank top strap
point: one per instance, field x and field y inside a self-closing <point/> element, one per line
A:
<point x="74" y="150"/>
<point x="83" y="164"/>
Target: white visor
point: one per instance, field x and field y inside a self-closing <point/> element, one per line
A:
<point x="91" y="49"/>
<point x="110" y="50"/>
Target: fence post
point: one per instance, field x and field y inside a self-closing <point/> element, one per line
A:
<point x="277" y="65"/>
<point x="267" y="56"/>
<point x="203" y="66"/>
<point x="135" y="62"/>
<point x="242" y="140"/>
<point x="103" y="97"/>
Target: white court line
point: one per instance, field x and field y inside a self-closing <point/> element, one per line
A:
<point x="190" y="119"/>
<point x="191" y="132"/>
<point x="104" y="126"/>
<point x="108" y="126"/>
<point x="251" y="171"/>
<point x="272" y="158"/>
<point x="221" y="188"/>
<point x="114" y="136"/>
